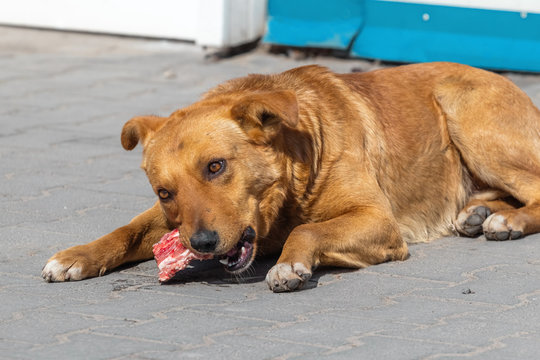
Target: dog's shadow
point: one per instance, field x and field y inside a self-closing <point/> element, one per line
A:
<point x="211" y="272"/>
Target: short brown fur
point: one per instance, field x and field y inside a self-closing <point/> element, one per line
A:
<point x="333" y="169"/>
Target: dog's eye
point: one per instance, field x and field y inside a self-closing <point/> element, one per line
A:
<point x="216" y="167"/>
<point x="163" y="194"/>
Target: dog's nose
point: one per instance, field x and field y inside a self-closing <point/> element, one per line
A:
<point x="204" y="241"/>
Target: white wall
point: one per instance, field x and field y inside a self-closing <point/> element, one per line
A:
<point x="217" y="23"/>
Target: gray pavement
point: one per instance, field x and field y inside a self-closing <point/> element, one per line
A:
<point x="65" y="180"/>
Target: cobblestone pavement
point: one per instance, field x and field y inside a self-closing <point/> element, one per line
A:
<point x="65" y="180"/>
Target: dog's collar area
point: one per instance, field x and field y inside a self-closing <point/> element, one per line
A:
<point x="239" y="257"/>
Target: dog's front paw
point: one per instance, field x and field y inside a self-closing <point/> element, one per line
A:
<point x="287" y="277"/>
<point x="75" y="263"/>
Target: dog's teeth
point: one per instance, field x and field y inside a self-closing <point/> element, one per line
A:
<point x="224" y="261"/>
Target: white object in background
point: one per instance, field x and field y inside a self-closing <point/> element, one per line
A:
<point x="218" y="23"/>
<point x="230" y="22"/>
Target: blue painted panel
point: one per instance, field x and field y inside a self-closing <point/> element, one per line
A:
<point x="314" y="23"/>
<point x="406" y="32"/>
<point x="417" y="32"/>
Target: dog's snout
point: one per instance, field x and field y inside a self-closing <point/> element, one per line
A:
<point x="204" y="241"/>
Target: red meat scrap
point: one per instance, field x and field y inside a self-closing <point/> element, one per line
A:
<point x="172" y="256"/>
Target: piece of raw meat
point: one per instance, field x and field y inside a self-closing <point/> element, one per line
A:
<point x="172" y="256"/>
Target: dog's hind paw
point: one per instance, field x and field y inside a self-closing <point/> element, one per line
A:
<point x="469" y="221"/>
<point x="499" y="227"/>
<point x="287" y="277"/>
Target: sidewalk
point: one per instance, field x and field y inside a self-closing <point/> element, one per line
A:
<point x="65" y="180"/>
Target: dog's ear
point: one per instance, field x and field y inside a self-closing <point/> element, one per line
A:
<point x="263" y="114"/>
<point x="140" y="129"/>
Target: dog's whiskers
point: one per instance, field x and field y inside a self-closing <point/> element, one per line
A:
<point x="245" y="275"/>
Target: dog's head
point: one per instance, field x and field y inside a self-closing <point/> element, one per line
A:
<point x="217" y="171"/>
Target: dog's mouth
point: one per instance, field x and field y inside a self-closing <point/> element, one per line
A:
<point x="240" y="256"/>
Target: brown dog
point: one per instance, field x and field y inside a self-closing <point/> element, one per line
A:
<point x="334" y="169"/>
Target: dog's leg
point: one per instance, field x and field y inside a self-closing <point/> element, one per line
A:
<point x="132" y="242"/>
<point x="506" y="220"/>
<point x="521" y="179"/>
<point x="471" y="218"/>
<point x="356" y="240"/>
<point x="496" y="128"/>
